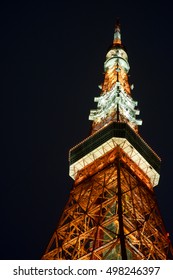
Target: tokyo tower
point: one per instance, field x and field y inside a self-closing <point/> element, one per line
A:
<point x="112" y="212"/>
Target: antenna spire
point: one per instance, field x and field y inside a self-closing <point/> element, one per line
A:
<point x="117" y="33"/>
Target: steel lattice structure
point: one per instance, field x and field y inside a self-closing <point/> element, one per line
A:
<point x="112" y="212"/>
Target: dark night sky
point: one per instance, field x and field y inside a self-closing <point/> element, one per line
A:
<point x="52" y="55"/>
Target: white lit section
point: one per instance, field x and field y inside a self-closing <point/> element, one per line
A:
<point x="123" y="143"/>
<point x="113" y="61"/>
<point x="107" y="103"/>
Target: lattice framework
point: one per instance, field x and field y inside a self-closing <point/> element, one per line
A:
<point x="94" y="227"/>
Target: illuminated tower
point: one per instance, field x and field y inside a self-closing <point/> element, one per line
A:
<point x="112" y="211"/>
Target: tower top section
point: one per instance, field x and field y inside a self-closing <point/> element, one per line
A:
<point x="117" y="34"/>
<point x="115" y="102"/>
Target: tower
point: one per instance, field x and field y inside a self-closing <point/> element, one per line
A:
<point x="112" y="212"/>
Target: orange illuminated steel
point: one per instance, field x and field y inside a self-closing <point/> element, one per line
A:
<point x="112" y="212"/>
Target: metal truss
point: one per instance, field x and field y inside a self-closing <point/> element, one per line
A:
<point x="111" y="214"/>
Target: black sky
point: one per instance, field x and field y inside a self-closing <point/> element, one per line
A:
<point x="52" y="55"/>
